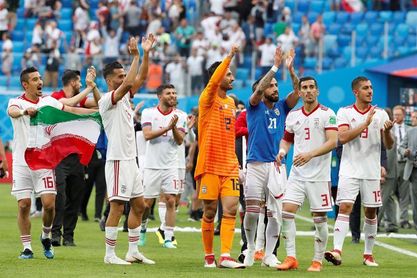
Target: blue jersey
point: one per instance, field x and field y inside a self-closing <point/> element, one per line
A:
<point x="266" y="129"/>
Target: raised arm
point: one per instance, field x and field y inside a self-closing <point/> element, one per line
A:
<point x="73" y="101"/>
<point x="346" y="134"/>
<point x="130" y="77"/>
<point x="144" y="67"/>
<point x="293" y="97"/>
<point x="150" y="134"/>
<point x="265" y="82"/>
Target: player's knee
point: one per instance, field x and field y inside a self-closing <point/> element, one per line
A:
<point x="345" y="208"/>
<point x="48" y="207"/>
<point x="170" y="201"/>
<point x="370" y="213"/>
<point x="209" y="214"/>
<point x="24" y="205"/>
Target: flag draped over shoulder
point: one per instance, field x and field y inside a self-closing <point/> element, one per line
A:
<point x="55" y="134"/>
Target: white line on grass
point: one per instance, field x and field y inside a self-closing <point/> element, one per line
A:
<point x="378" y="243"/>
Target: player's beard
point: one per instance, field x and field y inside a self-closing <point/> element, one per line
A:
<point x="272" y="98"/>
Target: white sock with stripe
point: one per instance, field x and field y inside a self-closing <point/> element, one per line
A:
<point x="288" y="232"/>
<point x="26" y="241"/>
<point x="370" y="231"/>
<point x="111" y="238"/>
<point x="341" y="228"/>
<point x="46" y="232"/>
<point x="169" y="233"/>
<point x="260" y="231"/>
<point x="133" y="239"/>
<point x="320" y="237"/>
<point x="249" y="223"/>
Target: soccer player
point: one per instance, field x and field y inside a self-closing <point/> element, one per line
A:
<point x="217" y="166"/>
<point x="313" y="131"/>
<point x="164" y="130"/>
<point x="42" y="182"/>
<point x="122" y="174"/>
<point x="266" y="116"/>
<point x="361" y="127"/>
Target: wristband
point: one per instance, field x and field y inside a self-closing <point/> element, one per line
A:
<point x="274" y="68"/>
<point x="282" y="151"/>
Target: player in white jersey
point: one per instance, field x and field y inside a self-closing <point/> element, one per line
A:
<point x="42" y="182"/>
<point x="122" y="173"/>
<point x="313" y="131"/>
<point x="361" y="127"/>
<point x="164" y="129"/>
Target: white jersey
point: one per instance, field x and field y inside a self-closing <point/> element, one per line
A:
<point x="162" y="152"/>
<point x="21" y="124"/>
<point x="309" y="133"/>
<point x="118" y="124"/>
<point x="361" y="156"/>
<point x="181" y="148"/>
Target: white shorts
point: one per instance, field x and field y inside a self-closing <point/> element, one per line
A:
<point x="123" y="180"/>
<point x="349" y="188"/>
<point x="157" y="181"/>
<point x="318" y="194"/>
<point x="181" y="179"/>
<point x="259" y="179"/>
<point x="26" y="181"/>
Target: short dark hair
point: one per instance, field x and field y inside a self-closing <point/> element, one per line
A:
<point x="161" y="88"/>
<point x="24" y="75"/>
<point x="357" y="80"/>
<point x="213" y="68"/>
<point x="306" y="78"/>
<point x="70" y="75"/>
<point x="109" y="68"/>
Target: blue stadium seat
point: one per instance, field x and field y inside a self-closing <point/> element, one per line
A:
<point x="385" y="16"/>
<point x="242" y="74"/>
<point x="372" y="39"/>
<point x="328" y="18"/>
<point x="20" y="24"/>
<point x="398" y="17"/>
<point x="317" y="6"/>
<point x="344" y="40"/>
<point x="403" y="50"/>
<point x="18" y="46"/>
<point x="399" y="41"/>
<point x="18" y="35"/>
<point x="290" y="4"/>
<point x="362" y="29"/>
<point x="30" y="23"/>
<point x="302" y="6"/>
<point x="329" y="43"/>
<point x="362" y="52"/>
<point x="66" y="13"/>
<point x="371" y="17"/>
<point x="65" y="25"/>
<point x="20" y="12"/>
<point x="340" y="63"/>
<point x="333" y="29"/>
<point x="327" y="63"/>
<point x="392" y="26"/>
<point x="342" y="17"/>
<point x="268" y="29"/>
<point x="376" y="52"/>
<point x="68" y="3"/>
<point x="15" y="82"/>
<point x="348" y="28"/>
<point x="295" y="27"/>
<point x="412" y="41"/>
<point x="310" y="63"/>
<point x="28" y="38"/>
<point x="402" y="30"/>
<point x="258" y="73"/>
<point x="296" y="18"/>
<point x="411" y="18"/>
<point x="3" y="81"/>
<point x="356" y="18"/>
<point x="312" y="16"/>
<point x="360" y="39"/>
<point x="347" y="52"/>
<point x="247" y="62"/>
<point x="376" y="29"/>
<point x="238" y="84"/>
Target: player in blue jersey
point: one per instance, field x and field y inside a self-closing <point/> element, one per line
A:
<point x="265" y="181"/>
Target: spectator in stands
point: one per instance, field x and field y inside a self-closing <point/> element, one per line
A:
<point x="111" y="43"/>
<point x="175" y="74"/>
<point x="200" y="43"/>
<point x="217" y="6"/>
<point x="176" y="13"/>
<point x="249" y="30"/>
<point x="73" y="59"/>
<point x="81" y="20"/>
<point x="132" y="23"/>
<point x="52" y="68"/>
<point x="267" y="51"/>
<point x="103" y="13"/>
<point x="259" y="14"/>
<point x="304" y="35"/>
<point x="38" y="34"/>
<point x="195" y="70"/>
<point x="226" y="22"/>
<point x="116" y="17"/>
<point x="4" y="19"/>
<point x="237" y="36"/>
<point x="155" y="75"/>
<point x="317" y="33"/>
<point x="209" y="23"/>
<point x="414" y="118"/>
<point x="31" y="58"/>
<point x="52" y="35"/>
<point x="213" y="55"/>
<point x="184" y="33"/>
<point x="7" y="56"/>
<point x="155" y="23"/>
<point x="287" y="40"/>
<point x="30" y="7"/>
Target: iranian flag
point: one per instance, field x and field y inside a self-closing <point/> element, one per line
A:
<point x="54" y="134"/>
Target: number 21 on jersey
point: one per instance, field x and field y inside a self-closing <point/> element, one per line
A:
<point x="272" y="123"/>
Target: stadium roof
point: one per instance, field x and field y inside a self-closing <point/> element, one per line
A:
<point x="402" y="67"/>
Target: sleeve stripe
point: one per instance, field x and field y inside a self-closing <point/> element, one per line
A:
<point x="146" y="124"/>
<point x="331" y="128"/>
<point x="14" y="105"/>
<point x="289" y="137"/>
<point x="182" y="129"/>
<point x="112" y="98"/>
<point x="344" y="125"/>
